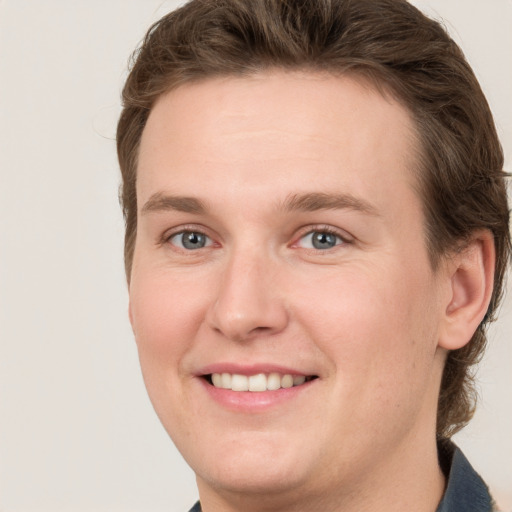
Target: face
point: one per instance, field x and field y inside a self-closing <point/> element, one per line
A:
<point x="284" y="308"/>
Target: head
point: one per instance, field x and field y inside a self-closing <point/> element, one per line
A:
<point x="391" y="48"/>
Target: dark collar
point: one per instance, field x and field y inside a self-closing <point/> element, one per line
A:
<point x="465" y="490"/>
<point x="196" y="508"/>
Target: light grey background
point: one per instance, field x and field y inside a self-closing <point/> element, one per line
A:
<point x="77" y="432"/>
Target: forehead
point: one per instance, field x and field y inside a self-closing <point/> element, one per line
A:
<point x="300" y="129"/>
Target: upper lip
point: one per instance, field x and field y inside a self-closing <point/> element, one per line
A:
<point x="250" y="369"/>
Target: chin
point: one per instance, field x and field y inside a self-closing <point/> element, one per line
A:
<point x="251" y="467"/>
<point x="247" y="479"/>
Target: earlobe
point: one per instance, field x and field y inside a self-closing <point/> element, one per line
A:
<point x="471" y="286"/>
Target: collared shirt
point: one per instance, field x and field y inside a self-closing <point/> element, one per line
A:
<point x="465" y="490"/>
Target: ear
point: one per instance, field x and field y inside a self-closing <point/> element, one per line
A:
<point x="471" y="272"/>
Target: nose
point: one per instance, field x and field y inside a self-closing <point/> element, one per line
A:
<point x="249" y="301"/>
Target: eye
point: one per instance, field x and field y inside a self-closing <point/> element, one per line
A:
<point x="190" y="240"/>
<point x="320" y="240"/>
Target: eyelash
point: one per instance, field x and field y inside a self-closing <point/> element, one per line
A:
<point x="329" y="230"/>
<point x="342" y="236"/>
<point x="168" y="236"/>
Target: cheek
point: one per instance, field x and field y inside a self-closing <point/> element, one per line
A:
<point x="376" y="335"/>
<point x="373" y="323"/>
<point x="166" y="314"/>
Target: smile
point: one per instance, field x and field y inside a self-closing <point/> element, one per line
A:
<point x="256" y="383"/>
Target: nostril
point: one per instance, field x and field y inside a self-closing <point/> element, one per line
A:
<point x="242" y="312"/>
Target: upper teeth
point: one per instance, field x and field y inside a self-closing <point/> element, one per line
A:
<point x="259" y="382"/>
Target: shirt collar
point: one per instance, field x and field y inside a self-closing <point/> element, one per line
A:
<point x="465" y="490"/>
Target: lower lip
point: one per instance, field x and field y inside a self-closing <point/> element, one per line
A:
<point x="254" y="401"/>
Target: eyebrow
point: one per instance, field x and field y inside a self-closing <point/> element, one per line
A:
<point x="315" y="201"/>
<point x="160" y="202"/>
<point x="309" y="202"/>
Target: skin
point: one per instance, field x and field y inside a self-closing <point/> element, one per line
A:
<point x="368" y="317"/>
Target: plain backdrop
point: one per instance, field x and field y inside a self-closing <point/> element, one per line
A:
<point x="77" y="432"/>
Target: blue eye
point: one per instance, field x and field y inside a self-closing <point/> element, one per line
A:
<point x="320" y="240"/>
<point x="190" y="240"/>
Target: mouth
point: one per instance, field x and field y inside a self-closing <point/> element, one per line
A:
<point x="257" y="383"/>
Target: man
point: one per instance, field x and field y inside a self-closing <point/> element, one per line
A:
<point x="316" y="236"/>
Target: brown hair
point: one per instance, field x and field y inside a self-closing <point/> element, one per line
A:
<point x="390" y="43"/>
